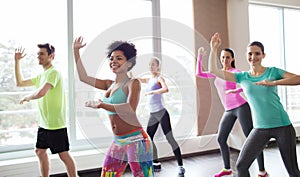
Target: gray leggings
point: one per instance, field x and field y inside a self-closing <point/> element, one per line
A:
<point x="256" y="141"/>
<point x="162" y="117"/>
<point x="243" y="114"/>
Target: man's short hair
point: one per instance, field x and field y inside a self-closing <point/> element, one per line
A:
<point x="50" y="48"/>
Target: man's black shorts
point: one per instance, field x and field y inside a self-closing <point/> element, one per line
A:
<point x="56" y="140"/>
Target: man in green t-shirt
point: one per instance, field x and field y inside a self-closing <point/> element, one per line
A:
<point x="50" y="95"/>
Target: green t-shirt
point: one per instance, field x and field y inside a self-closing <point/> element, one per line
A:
<point x="52" y="107"/>
<point x="266" y="108"/>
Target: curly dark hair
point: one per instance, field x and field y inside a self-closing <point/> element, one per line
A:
<point x="127" y="48"/>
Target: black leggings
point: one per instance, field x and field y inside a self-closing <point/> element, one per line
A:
<point x="162" y="117"/>
<point x="243" y="114"/>
<point x="256" y="141"/>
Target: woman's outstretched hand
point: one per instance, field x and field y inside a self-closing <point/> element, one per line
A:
<point x="93" y="103"/>
<point x="215" y="41"/>
<point x="78" y="43"/>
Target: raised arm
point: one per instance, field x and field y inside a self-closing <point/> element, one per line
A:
<point x="200" y="73"/>
<point x="215" y="43"/>
<point x="19" y="54"/>
<point x="83" y="76"/>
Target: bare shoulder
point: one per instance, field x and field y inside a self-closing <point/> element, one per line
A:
<point x="133" y="85"/>
<point x="161" y="79"/>
<point x="144" y="80"/>
<point x="134" y="82"/>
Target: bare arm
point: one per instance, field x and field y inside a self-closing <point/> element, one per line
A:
<point x="19" y="54"/>
<point x="37" y="94"/>
<point x="143" y="80"/>
<point x="212" y="64"/>
<point x="83" y="76"/>
<point x="288" y="79"/>
<point x="134" y="94"/>
<point x="164" y="88"/>
<point x="291" y="79"/>
<point x="126" y="111"/>
<point x="133" y="98"/>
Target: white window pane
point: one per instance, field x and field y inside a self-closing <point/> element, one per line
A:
<point x="100" y="23"/>
<point x="266" y="27"/>
<point x="292" y="38"/>
<point x="280" y="37"/>
<point x="26" y="23"/>
<point x="177" y="43"/>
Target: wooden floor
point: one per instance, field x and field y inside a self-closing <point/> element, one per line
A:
<point x="207" y="165"/>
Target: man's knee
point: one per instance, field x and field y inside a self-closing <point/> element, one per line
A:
<point x="40" y="152"/>
<point x="64" y="155"/>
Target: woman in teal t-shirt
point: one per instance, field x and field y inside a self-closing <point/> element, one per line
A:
<point x="269" y="117"/>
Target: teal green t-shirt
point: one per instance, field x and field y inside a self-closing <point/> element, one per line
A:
<point x="52" y="107"/>
<point x="267" y="110"/>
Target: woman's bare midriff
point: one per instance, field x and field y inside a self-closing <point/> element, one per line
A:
<point x="119" y="126"/>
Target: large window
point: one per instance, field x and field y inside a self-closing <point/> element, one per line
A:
<point x="26" y="27"/>
<point x="178" y="58"/>
<point x="278" y="29"/>
<point x="100" y="23"/>
<point x="137" y="25"/>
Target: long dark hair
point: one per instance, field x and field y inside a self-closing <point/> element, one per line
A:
<point x="232" y="55"/>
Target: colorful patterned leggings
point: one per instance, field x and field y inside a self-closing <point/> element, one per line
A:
<point x="135" y="149"/>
